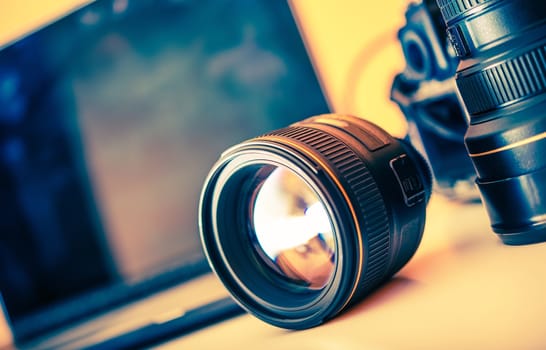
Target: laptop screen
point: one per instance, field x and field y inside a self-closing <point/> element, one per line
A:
<point x="110" y="120"/>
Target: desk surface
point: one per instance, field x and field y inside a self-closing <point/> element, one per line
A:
<point x="463" y="289"/>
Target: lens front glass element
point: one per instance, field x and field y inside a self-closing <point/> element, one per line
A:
<point x="292" y="228"/>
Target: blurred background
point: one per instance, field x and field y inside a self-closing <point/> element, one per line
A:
<point x="354" y="50"/>
<point x="351" y="44"/>
<point x="111" y="118"/>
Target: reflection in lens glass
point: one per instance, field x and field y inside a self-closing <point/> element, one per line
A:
<point x="293" y="228"/>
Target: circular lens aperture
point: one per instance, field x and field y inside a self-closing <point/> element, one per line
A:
<point x="293" y="228"/>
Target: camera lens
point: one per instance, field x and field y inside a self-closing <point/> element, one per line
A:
<point x="502" y="81"/>
<point x="302" y="222"/>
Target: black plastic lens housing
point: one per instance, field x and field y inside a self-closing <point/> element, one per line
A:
<point x="373" y="188"/>
<point x="502" y="81"/>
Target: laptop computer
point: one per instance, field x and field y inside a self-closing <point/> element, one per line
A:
<point x="110" y="119"/>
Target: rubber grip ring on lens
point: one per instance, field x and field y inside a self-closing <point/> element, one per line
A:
<point x="510" y="81"/>
<point x="369" y="204"/>
<point x="453" y="8"/>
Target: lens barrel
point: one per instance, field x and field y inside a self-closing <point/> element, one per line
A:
<point x="346" y="208"/>
<point x="502" y="82"/>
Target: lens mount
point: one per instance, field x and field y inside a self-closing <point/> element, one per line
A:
<point x="371" y="191"/>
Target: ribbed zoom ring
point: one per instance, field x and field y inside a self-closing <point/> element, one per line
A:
<point x="511" y="81"/>
<point x="453" y="8"/>
<point x="368" y="202"/>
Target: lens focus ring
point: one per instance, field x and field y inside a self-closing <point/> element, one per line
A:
<point x="453" y="8"/>
<point x="478" y="29"/>
<point x="505" y="83"/>
<point x="370" y="206"/>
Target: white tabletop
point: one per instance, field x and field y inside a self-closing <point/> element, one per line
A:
<point x="463" y="289"/>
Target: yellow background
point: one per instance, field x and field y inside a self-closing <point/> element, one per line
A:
<point x="19" y="17"/>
